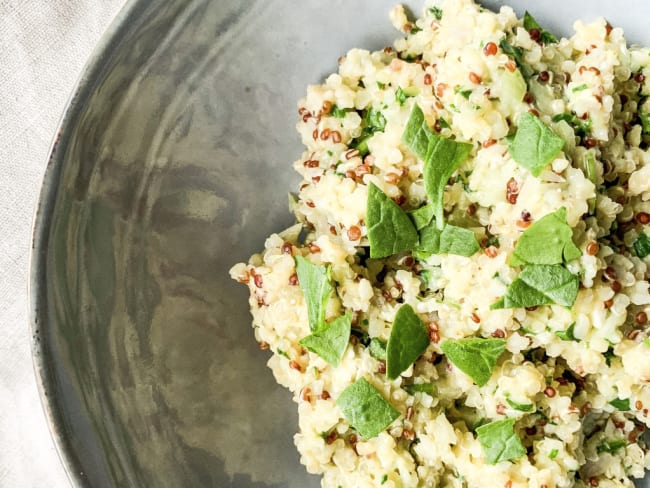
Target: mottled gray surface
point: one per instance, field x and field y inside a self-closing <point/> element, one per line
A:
<point x="173" y="164"/>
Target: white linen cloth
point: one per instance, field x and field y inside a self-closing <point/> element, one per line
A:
<point x="43" y="46"/>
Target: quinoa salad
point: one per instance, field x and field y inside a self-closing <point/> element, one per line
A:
<point x="463" y="301"/>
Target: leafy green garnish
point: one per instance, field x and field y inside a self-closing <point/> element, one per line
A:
<point x="377" y="349"/>
<point x="499" y="441"/>
<point x="553" y="454"/>
<point x="464" y="92"/>
<point x="402" y="94"/>
<point x="644" y="117"/>
<point x="414" y="388"/>
<point x="522" y="407"/>
<point x="547" y="241"/>
<point x="330" y="341"/>
<point x="384" y="478"/>
<point x="540" y="284"/>
<point x="315" y="284"/>
<point x="373" y="121"/>
<point x="621" y="404"/>
<point x="517" y="54"/>
<point x="578" y="88"/>
<point x="580" y="127"/>
<point x="441" y="157"/>
<point x="534" y="145"/>
<point x="474" y="356"/>
<point x="339" y="113"/>
<point x="642" y="245"/>
<point x="381" y="85"/>
<point x="459" y="241"/>
<point x="545" y="36"/>
<point x="567" y="335"/>
<point x="282" y="353"/>
<point x="409" y="338"/>
<point x="366" y="409"/>
<point x="390" y="231"/>
<point x="611" y="446"/>
<point x="437" y="12"/>
<point x="422" y="216"/>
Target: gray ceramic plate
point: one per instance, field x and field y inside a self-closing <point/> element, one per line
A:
<point x="171" y="164"/>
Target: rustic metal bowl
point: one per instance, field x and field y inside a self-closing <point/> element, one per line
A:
<point x="172" y="162"/>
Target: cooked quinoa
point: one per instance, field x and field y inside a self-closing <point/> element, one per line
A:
<point x="463" y="301"/>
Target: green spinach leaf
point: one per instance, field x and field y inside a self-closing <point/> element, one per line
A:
<point x="422" y="216"/>
<point x="547" y="241"/>
<point x="642" y="245"/>
<point x="621" y="404"/>
<point x="330" y="341"/>
<point x="390" y="231"/>
<point x="534" y="145"/>
<point x="474" y="356"/>
<point x="541" y="284"/>
<point x="409" y="338"/>
<point x="315" y="284"/>
<point x="499" y="441"/>
<point x="459" y="241"/>
<point x="366" y="409"/>
<point x="517" y="53"/>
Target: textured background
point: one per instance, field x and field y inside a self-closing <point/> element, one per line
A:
<point x="43" y="47"/>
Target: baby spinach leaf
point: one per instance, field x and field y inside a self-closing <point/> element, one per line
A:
<point x="534" y="145"/>
<point x="330" y="341"/>
<point x="414" y="388"/>
<point x="474" y="356"/>
<point x="547" y="241"/>
<point x="366" y="409"/>
<point x="621" y="404"/>
<point x="642" y="245"/>
<point x="530" y="23"/>
<point x="541" y="284"/>
<point x="522" y="407"/>
<point x="422" y="216"/>
<point x="377" y="349"/>
<point x="517" y="53"/>
<point x="429" y="242"/>
<point x="390" y="231"/>
<point x="315" y="284"/>
<point x="409" y="338"/>
<point x="457" y="240"/>
<point x="567" y="335"/>
<point x="499" y="441"/>
<point x="441" y="157"/>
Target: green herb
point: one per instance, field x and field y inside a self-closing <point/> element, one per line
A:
<point x="441" y="157"/>
<point x="540" y="284"/>
<point x="339" y="113"/>
<point x="315" y="284"/>
<point x="414" y="388"/>
<point x="459" y="241"/>
<point x="590" y="173"/>
<point x="381" y="85"/>
<point x="646" y="341"/>
<point x="390" y="231"/>
<point x="375" y="121"/>
<point x="465" y="93"/>
<point x="384" y="478"/>
<point x="400" y="96"/>
<point x="611" y="446"/>
<point x="580" y="127"/>
<point x="534" y="145"/>
<point x="474" y="356"/>
<point x="362" y="335"/>
<point x="553" y="454"/>
<point x="522" y="407"/>
<point x="443" y="123"/>
<point x="547" y="241"/>
<point x="437" y="12"/>
<point x="282" y="353"/>
<point x="377" y="349"/>
<point x="422" y="216"/>
<point x="609" y="354"/>
<point x="366" y="409"/>
<point x="409" y="338"/>
<point x="642" y="246"/>
<point x="517" y="54"/>
<point x="530" y="23"/>
<point x="499" y="441"/>
<point x="331" y="341"/>
<point x="644" y="117"/>
<point x="621" y="404"/>
<point x="567" y="335"/>
<point x="414" y="30"/>
<point x="578" y="88"/>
